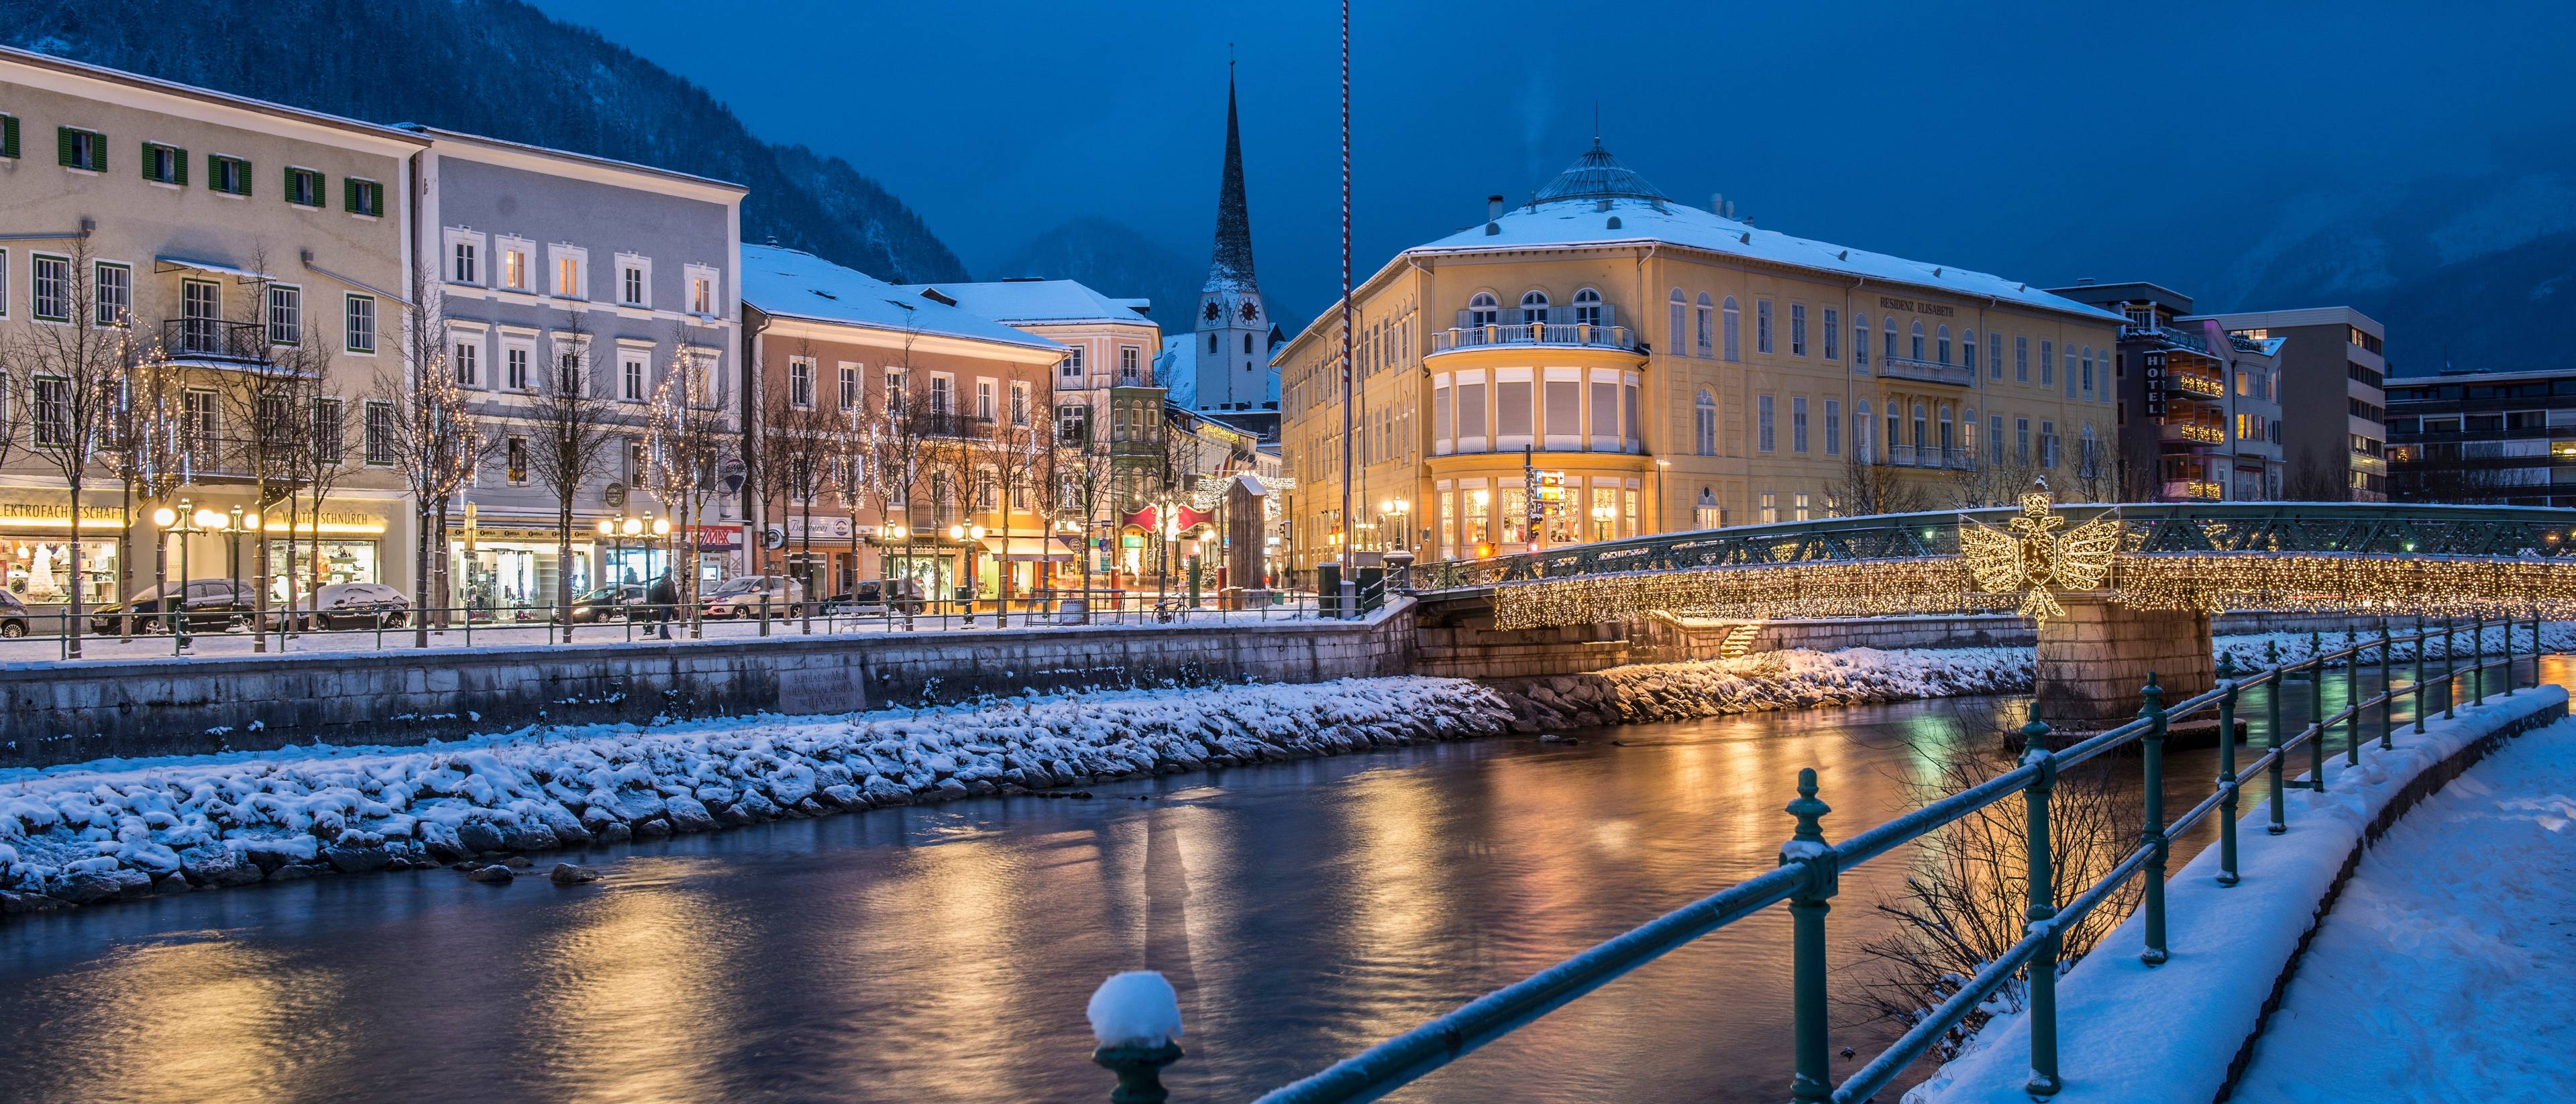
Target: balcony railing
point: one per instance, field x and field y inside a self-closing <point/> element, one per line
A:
<point x="2168" y="335"/>
<point x="2205" y="386"/>
<point x="1575" y="334"/>
<point x="2194" y="432"/>
<point x="215" y="339"/>
<point x="2201" y="489"/>
<point x="1926" y="371"/>
<point x="935" y="423"/>
<point x="1927" y="456"/>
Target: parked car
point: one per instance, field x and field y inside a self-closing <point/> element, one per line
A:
<point x="869" y="599"/>
<point x="608" y="602"/>
<point x="13" y="616"/>
<point x="352" y="605"/>
<point x="741" y="596"/>
<point x="210" y="605"/>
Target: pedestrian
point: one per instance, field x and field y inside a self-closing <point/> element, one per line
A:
<point x="662" y="596"/>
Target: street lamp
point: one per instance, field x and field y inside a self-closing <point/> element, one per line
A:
<point x="1399" y="509"/>
<point x="1662" y="523"/>
<point x="187" y="523"/>
<point x="1604" y="518"/>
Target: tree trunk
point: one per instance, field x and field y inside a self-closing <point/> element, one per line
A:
<point x="419" y="577"/>
<point x="563" y="564"/>
<point x="124" y="562"/>
<point x="72" y="627"/>
<point x="259" y="586"/>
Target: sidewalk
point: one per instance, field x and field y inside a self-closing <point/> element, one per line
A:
<point x="2444" y="971"/>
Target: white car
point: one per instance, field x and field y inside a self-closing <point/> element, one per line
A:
<point x="741" y="596"/>
<point x="345" y="605"/>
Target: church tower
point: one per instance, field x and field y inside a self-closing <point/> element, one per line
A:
<point x="1233" y="355"/>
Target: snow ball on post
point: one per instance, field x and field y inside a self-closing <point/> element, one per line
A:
<point x="1135" y="1016"/>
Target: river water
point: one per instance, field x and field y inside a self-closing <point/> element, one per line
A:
<point x="1304" y="911"/>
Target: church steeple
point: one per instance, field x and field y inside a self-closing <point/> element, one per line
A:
<point x="1231" y="267"/>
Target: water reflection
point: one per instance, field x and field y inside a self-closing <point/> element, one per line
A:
<point x="944" y="954"/>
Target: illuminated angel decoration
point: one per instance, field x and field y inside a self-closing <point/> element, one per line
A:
<point x="2035" y="559"/>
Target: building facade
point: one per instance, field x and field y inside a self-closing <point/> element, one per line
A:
<point x="1601" y="361"/>
<point x="556" y="273"/>
<point x="2199" y="414"/>
<point x="2483" y="437"/>
<point x="2331" y="360"/>
<point x="925" y="426"/>
<point x="255" y="254"/>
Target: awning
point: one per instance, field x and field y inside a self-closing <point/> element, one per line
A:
<point x="1028" y="548"/>
<point x="173" y="264"/>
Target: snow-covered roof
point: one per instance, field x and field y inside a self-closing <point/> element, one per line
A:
<point x="1039" y="302"/>
<point x="1177" y="369"/>
<point x="43" y="60"/>
<point x="795" y="284"/>
<point x="427" y="131"/>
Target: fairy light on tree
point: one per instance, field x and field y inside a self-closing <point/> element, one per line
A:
<point x="73" y="375"/>
<point x="144" y="455"/>
<point x="689" y="446"/>
<point x="431" y="437"/>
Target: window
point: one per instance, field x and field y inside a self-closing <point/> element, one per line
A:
<point x="570" y="279"/>
<point x="464" y="271"/>
<point x="1917" y="347"/>
<point x="514" y="460"/>
<point x="1833" y="334"/>
<point x="893" y="393"/>
<point x="568" y="370"/>
<point x="1761" y="326"/>
<point x="164" y="164"/>
<point x="1070" y="368"/>
<point x="943" y="394"/>
<point x="1673" y="310"/>
<point x="800" y="383"/>
<point x="1968" y="349"/>
<point x="1860" y="431"/>
<point x="2088" y="371"/>
<point x="285" y="314"/>
<point x="1483" y="310"/>
<point x="82" y="149"/>
<point x="1770" y="507"/>
<point x="1587" y="307"/>
<point x="50" y="423"/>
<point x="1922" y="428"/>
<point x="52" y="301"/>
<point x="1800" y="507"/>
<point x="634" y="281"/>
<point x="849" y="394"/>
<point x="200" y="308"/>
<point x="514" y="368"/>
<point x="1798" y="423"/>
<point x="9" y="137"/>
<point x="2048" y="445"/>
<point x="362" y="324"/>
<point x="1704" y="419"/>
<point x="1762" y="420"/>
<point x="986" y="409"/>
<point x="1994" y="354"/>
<point x="1941" y="339"/>
<point x="112" y="294"/>
<point x="330" y="424"/>
<point x="4" y="294"/>
<point x="1888" y="331"/>
<point x="2021" y="440"/>
<point x="1797" y="329"/>
<point x="380" y="433"/>
<point x="303" y="187"/>
<point x="1533" y="307"/>
<point x="1019" y="402"/>
<point x="630" y="376"/>
<point x="363" y="197"/>
<point x="1128" y="361"/>
<point x="2021" y="359"/>
<point x="1073" y="425"/>
<point x="1995" y="438"/>
<point x="1734" y="342"/>
<point x="469" y="363"/>
<point x="514" y="266"/>
<point x="702" y="290"/>
<point x="1860" y="343"/>
<point x="2047" y="364"/>
<point x="228" y="175"/>
<point x="1707" y="326"/>
<point x="202" y="424"/>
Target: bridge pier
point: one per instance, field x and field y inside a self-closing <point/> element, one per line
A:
<point x="2093" y="660"/>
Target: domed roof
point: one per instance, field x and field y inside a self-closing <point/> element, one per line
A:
<point x="1597" y="175"/>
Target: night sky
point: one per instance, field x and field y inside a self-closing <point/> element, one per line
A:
<point x="2043" y="142"/>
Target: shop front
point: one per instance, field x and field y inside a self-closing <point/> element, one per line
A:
<point x="43" y="562"/>
<point x="1019" y="566"/>
<point x="507" y="569"/>
<point x="211" y="535"/>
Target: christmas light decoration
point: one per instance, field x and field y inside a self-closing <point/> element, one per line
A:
<point x="2032" y="557"/>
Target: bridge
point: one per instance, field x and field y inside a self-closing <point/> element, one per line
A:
<point x="2116" y="590"/>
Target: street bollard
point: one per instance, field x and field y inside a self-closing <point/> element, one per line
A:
<point x="1807" y="909"/>
<point x="2043" y="908"/>
<point x="1133" y="1017"/>
<point x="764" y="612"/>
<point x="2226" y="772"/>
<point x="2153" y="747"/>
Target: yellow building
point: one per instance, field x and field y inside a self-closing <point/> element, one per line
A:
<point x="1656" y="368"/>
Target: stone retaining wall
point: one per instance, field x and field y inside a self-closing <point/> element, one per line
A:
<point x="58" y="712"/>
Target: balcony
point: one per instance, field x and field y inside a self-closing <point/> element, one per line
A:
<point x="2207" y="387"/>
<point x="1926" y="371"/>
<point x="1580" y="335"/>
<point x="2167" y="334"/>
<point x="1927" y="456"/>
<point x="215" y="342"/>
<point x="2192" y="433"/>
<point x="2193" y="489"/>
<point x="941" y="423"/>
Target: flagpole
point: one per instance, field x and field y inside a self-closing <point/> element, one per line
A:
<point x="1349" y="380"/>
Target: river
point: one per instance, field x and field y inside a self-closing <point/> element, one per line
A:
<point x="944" y="953"/>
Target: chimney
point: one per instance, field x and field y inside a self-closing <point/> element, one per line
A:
<point x="2083" y="281"/>
<point x="1730" y="208"/>
<point x="1493" y="207"/>
<point x="1716" y="203"/>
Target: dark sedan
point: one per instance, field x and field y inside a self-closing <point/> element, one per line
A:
<point x="13" y="616"/>
<point x="606" y="603"/>
<point x="210" y="605"/>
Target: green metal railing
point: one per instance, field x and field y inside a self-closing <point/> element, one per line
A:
<point x="2345" y="527"/>
<point x="1810" y="871"/>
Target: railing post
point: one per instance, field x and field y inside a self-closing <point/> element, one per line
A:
<point x="2352" y="700"/>
<point x="2317" y="719"/>
<point x="2450" y="665"/>
<point x="764" y="612"/>
<point x="2507" y="625"/>
<point x="1815" y="1075"/>
<point x="2272" y="742"/>
<point x="2419" y="672"/>
<point x="2153" y="746"/>
<point x="2478" y="658"/>
<point x="2387" y="692"/>
<point x="2043" y="908"/>
<point x="2226" y="772"/>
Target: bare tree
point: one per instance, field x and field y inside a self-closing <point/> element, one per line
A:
<point x="898" y="472"/>
<point x="429" y="434"/>
<point x="74" y="375"/>
<point x="1021" y="443"/>
<point x="324" y="459"/>
<point x="798" y="443"/>
<point x="690" y="449"/>
<point x="1966" y="900"/>
<point x="1081" y="475"/>
<point x="2099" y="474"/>
<point x="1989" y="483"/>
<point x="145" y="455"/>
<point x="1869" y="488"/>
<point x="570" y="430"/>
<point x="2313" y="479"/>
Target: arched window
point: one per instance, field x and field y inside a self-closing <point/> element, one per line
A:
<point x="1895" y="432"/>
<point x="1706" y="514"/>
<point x="1587" y="307"/>
<point x="1891" y="344"/>
<point x="1943" y="336"/>
<point x="1247" y="343"/>
<point x="1922" y="428"/>
<point x="1860" y="345"/>
<point x="1704" y="417"/>
<point x="1860" y="423"/>
<point x="1968" y="350"/>
<point x="1945" y="430"/>
<point x="1918" y="339"/>
<point x="1707" y="328"/>
<point x="1211" y="343"/>
<point x="1675" y="309"/>
<point x="1533" y="306"/>
<point x="1484" y="309"/>
<point x="1734" y="330"/>
<point x="1968" y="432"/>
<point x="2088" y="371"/>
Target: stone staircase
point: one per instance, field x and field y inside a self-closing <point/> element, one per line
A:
<point x="1739" y="640"/>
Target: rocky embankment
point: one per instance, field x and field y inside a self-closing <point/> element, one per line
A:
<point x="100" y="832"/>
<point x="1768" y="680"/>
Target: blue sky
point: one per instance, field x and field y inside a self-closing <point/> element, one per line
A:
<point x="2040" y="141"/>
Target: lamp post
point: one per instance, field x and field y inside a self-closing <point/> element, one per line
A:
<point x="1662" y="523"/>
<point x="243" y="521"/>
<point x="163" y="519"/>
<point x="1398" y="509"/>
<point x="1604" y="520"/>
<point x="888" y="592"/>
<point x="195" y="522"/>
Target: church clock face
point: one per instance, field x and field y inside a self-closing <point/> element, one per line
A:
<point x="1212" y="310"/>
<point x="1250" y="310"/>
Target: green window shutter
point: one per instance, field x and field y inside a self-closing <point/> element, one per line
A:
<point x="9" y="136"/>
<point x="244" y="177"/>
<point x="65" y="144"/>
<point x="98" y="144"/>
<point x="147" y="161"/>
<point x="179" y="167"/>
<point x="376" y="199"/>
<point x="349" y="194"/>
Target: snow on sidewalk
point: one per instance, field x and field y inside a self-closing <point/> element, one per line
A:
<point x="2444" y="971"/>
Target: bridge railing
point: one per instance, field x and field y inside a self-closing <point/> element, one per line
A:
<point x="2345" y="527"/>
<point x="1810" y="869"/>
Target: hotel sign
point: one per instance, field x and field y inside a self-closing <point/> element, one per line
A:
<point x="2154" y="366"/>
<point x="1890" y="302"/>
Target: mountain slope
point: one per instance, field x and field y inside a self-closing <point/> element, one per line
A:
<point x="499" y="68"/>
<point x="1115" y="260"/>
